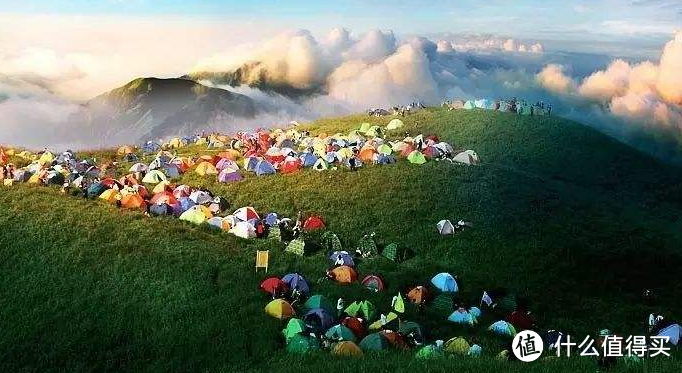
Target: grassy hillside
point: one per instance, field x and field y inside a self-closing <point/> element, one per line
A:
<point x="574" y="221"/>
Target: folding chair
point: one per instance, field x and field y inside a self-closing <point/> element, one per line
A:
<point x="262" y="259"/>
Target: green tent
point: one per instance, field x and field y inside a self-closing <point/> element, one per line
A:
<point x="300" y="344"/>
<point x="394" y="124"/>
<point x="331" y="242"/>
<point x="340" y="333"/>
<point x="296" y="247"/>
<point x="428" y="352"/>
<point x="385" y="149"/>
<point x="364" y="127"/>
<point x="394" y="252"/>
<point x="375" y="131"/>
<point x="442" y="304"/>
<point x="367" y="245"/>
<point x="374" y="342"/>
<point x="411" y="327"/>
<point x="416" y="157"/>
<point x="363" y="309"/>
<point x="319" y="301"/>
<point x="294" y="327"/>
<point x="399" y="305"/>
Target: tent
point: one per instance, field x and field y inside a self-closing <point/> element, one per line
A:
<point x="172" y="170"/>
<point x="164" y="198"/>
<point x="138" y="167"/>
<point x="318" y="319"/>
<point x="296" y="247"/>
<point x="331" y="242"/>
<point x="416" y="157"/>
<point x="294" y="327"/>
<point x="264" y="168"/>
<point x="374" y="342"/>
<point x="132" y="201"/>
<point x="364" y="309"/>
<point x="200" y="197"/>
<point x="206" y="168"/>
<point x="279" y="309"/>
<point x="154" y="177"/>
<point x="367" y="245"/>
<point x="320" y="165"/>
<point x="373" y="283"/>
<point x="244" y="230"/>
<point x="196" y="214"/>
<point x="344" y="274"/>
<point x="468" y="157"/>
<point x="111" y="195"/>
<point x="296" y="282"/>
<point x="246" y="213"/>
<point x="445" y="282"/>
<point x="354" y="324"/>
<point x="340" y="333"/>
<point x="308" y="159"/>
<point x="412" y="329"/>
<point x="273" y="285"/>
<point x="301" y="344"/>
<point x="364" y="127"/>
<point x="469" y="105"/>
<point x="419" y="294"/>
<point x="394" y="252"/>
<point x="123" y="150"/>
<point x="428" y="352"/>
<point x="445" y="227"/>
<point x="394" y="124"/>
<point x="457" y="345"/>
<point x="226" y="164"/>
<point x="313" y="223"/>
<point x="503" y="328"/>
<point x="250" y="163"/>
<point x="673" y="332"/>
<point x="346" y="349"/>
<point x="384" y="321"/>
<point x="341" y="258"/>
<point x="463" y="317"/>
<point x="290" y="167"/>
<point x="318" y="301"/>
<point x="220" y="223"/>
<point x="229" y="176"/>
<point x="161" y="210"/>
<point x="384" y="149"/>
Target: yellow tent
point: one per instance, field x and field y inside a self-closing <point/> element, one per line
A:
<point x="346" y="348"/>
<point x="125" y="150"/>
<point x="176" y="143"/>
<point x="160" y="187"/>
<point x="110" y="195"/>
<point x="35" y="179"/>
<point x="279" y="309"/>
<point x="456" y="345"/>
<point x="206" y="168"/>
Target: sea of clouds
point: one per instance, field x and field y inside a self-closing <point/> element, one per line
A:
<point x="636" y="101"/>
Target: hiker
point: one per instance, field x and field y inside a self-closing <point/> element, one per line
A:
<point x="340" y="305"/>
<point x="261" y="229"/>
<point x="604" y="362"/>
<point x="299" y="224"/>
<point x="352" y="162"/>
<point x="296" y="296"/>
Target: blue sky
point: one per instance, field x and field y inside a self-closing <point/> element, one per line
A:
<point x="525" y="18"/>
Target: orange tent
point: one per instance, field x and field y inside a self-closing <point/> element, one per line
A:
<point x="164" y="197"/>
<point x="344" y="274"/>
<point x="230" y="154"/>
<point x="132" y="201"/>
<point x="418" y="295"/>
<point x="367" y="154"/>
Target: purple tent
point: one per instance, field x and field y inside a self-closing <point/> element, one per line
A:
<point x="227" y="176"/>
<point x="341" y="258"/>
<point x="296" y="281"/>
<point x="226" y="163"/>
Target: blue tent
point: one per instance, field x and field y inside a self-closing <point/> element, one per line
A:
<point x="342" y="256"/>
<point x="463" y="317"/>
<point x="318" y="319"/>
<point x="96" y="189"/>
<point x="445" y="283"/>
<point x="271" y="219"/>
<point x="151" y="147"/>
<point x="171" y="170"/>
<point x="264" y="168"/>
<point x="385" y="159"/>
<point x="296" y="281"/>
<point x="185" y="203"/>
<point x="251" y="163"/>
<point x="161" y="210"/>
<point x="308" y="159"/>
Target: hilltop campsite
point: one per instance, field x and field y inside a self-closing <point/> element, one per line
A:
<point x="393" y="244"/>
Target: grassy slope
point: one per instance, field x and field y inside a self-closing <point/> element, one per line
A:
<point x="575" y="221"/>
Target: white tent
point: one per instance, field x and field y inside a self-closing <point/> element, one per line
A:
<point x="673" y="332"/>
<point x="200" y="197"/>
<point x="445" y="227"/>
<point x="468" y="157"/>
<point x="244" y="230"/>
<point x="394" y="124"/>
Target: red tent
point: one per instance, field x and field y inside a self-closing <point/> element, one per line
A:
<point x="273" y="285"/>
<point x="290" y="167"/>
<point x="355" y="325"/>
<point x="313" y="223"/>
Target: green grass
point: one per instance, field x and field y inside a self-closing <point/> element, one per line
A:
<point x="574" y="221"/>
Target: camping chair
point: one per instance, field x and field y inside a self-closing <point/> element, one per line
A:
<point x="262" y="259"/>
